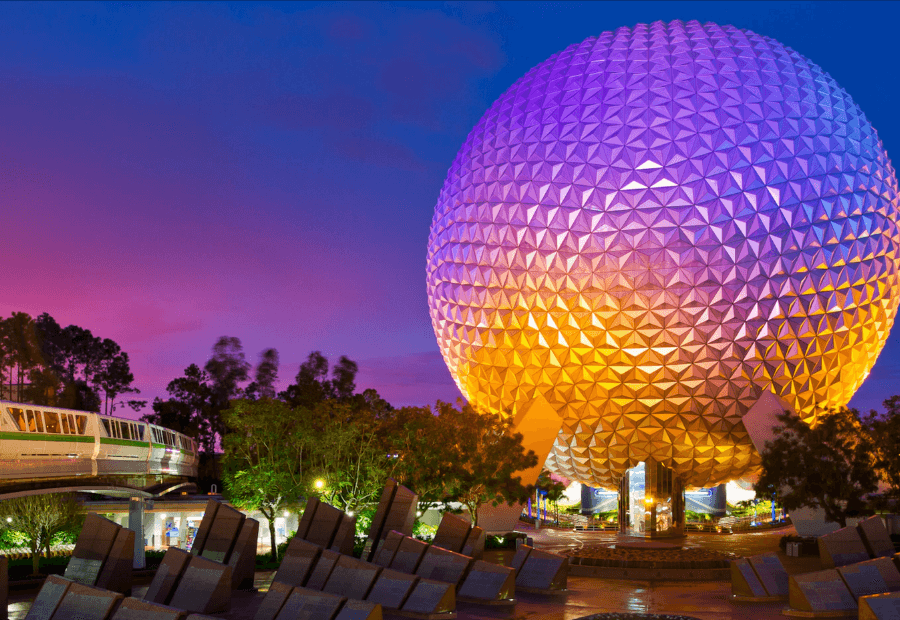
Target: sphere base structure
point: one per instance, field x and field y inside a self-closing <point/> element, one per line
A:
<point x="651" y="502"/>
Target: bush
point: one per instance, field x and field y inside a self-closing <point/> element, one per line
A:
<point x="504" y="541"/>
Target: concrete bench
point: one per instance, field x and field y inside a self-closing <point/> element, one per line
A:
<point x="226" y="536"/>
<point x="352" y="578"/>
<point x="103" y="555"/>
<point x="299" y="559"/>
<point x="543" y="572"/>
<point x="878" y="576"/>
<point x="136" y="609"/>
<point x="875" y="537"/>
<point x="821" y="591"/>
<point x="64" y="599"/>
<point x="204" y="587"/>
<point x="842" y="547"/>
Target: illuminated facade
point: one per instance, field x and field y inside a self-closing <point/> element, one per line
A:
<point x="652" y="228"/>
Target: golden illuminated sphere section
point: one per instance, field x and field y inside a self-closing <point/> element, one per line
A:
<point x="651" y="245"/>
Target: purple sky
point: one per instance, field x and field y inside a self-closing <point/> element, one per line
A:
<point x="171" y="173"/>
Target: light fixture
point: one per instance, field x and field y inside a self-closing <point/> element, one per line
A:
<point x="320" y="483"/>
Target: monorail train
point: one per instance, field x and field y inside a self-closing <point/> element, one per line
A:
<point x="49" y="442"/>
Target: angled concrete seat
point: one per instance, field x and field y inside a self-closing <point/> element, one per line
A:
<point x="879" y="606"/>
<point x="345" y="535"/>
<point x="392" y="588"/>
<point x="49" y="597"/>
<point x="543" y="572"/>
<point x="167" y="576"/>
<point x="474" y="545"/>
<point x="86" y="603"/>
<point x="745" y="582"/>
<point x="408" y="555"/>
<point x="92" y="548"/>
<point x="430" y="597"/>
<point x="442" y="565"/>
<point x="222" y="535"/>
<point x="396" y="511"/>
<point x="209" y="514"/>
<point x="875" y="537"/>
<point x="452" y="533"/>
<point x="842" y="547"/>
<point x="359" y="610"/>
<point x="117" y="570"/>
<point x="820" y="591"/>
<point x="322" y="570"/>
<point x="204" y="587"/>
<point x="771" y="573"/>
<point x="242" y="559"/>
<point x="488" y="583"/>
<point x="273" y="601"/>
<point x="351" y="578"/>
<point x="519" y="558"/>
<point x="324" y="525"/>
<point x="299" y="559"/>
<point x="306" y="604"/>
<point x="136" y="609"/>
<point x="307" y="517"/>
<point x="878" y="576"/>
<point x="385" y="554"/>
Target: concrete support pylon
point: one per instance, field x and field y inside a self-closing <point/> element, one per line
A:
<point x="136" y="524"/>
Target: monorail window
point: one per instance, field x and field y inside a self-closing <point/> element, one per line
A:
<point x="65" y="424"/>
<point x="81" y="424"/>
<point x="72" y="429"/>
<point x="35" y="425"/>
<point x="140" y="430"/>
<point x="52" y="420"/>
<point x="108" y="428"/>
<point x="126" y="430"/>
<point x="18" y="417"/>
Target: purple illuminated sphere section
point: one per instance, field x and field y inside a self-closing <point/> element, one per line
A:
<point x="653" y="228"/>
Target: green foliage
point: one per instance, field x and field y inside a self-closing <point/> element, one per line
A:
<point x="364" y="521"/>
<point x="424" y="532"/>
<point x="460" y="455"/>
<point x="887" y="449"/>
<point x="265" y="454"/>
<point x="39" y="518"/>
<point x="349" y="454"/>
<point x="11" y="539"/>
<point x="829" y="466"/>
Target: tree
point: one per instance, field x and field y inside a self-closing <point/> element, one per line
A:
<point x="40" y="517"/>
<point x="266" y="451"/>
<point x="553" y="489"/>
<point x="886" y="428"/>
<point x="266" y="375"/>
<point x="828" y="466"/>
<point x="484" y="453"/>
<point x="187" y="410"/>
<point x="312" y="386"/>
<point x="350" y="454"/>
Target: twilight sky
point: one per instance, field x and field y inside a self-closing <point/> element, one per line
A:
<point x="171" y="173"/>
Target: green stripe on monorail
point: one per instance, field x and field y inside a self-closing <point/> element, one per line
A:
<point x="47" y="437"/>
<point x="123" y="442"/>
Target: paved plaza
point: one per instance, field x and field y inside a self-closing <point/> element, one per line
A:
<point x="586" y="595"/>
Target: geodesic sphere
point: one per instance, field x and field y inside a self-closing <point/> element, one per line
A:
<point x="652" y="228"/>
